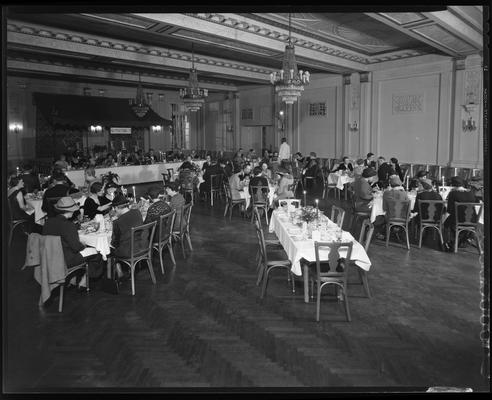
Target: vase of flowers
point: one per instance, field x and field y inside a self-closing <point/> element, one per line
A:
<point x="309" y="214"/>
<point x="110" y="177"/>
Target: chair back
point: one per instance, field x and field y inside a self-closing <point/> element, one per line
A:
<point x="466" y="214"/>
<point x="170" y="172"/>
<point x="418" y="167"/>
<point x="227" y="189"/>
<point x="216" y="181"/>
<point x="261" y="240"/>
<point x="186" y="179"/>
<point x="398" y="211"/>
<point x="337" y="215"/>
<point x="166" y="225"/>
<point x="430" y="211"/>
<point x="288" y="202"/>
<point x="433" y="172"/>
<point x="366" y="232"/>
<point x="141" y="239"/>
<point x="185" y="218"/>
<point x="333" y="249"/>
<point x="293" y="186"/>
<point x="258" y="195"/>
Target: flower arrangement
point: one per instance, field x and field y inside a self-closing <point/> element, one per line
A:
<point x="110" y="177"/>
<point x="308" y="214"/>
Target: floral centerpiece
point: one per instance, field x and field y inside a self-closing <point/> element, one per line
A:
<point x="309" y="214"/>
<point x="110" y="177"/>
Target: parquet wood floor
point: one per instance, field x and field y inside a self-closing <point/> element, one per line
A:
<point x="203" y="326"/>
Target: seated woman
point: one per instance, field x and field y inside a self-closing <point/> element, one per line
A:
<point x="266" y="172"/>
<point x="157" y="208"/>
<point x="18" y="207"/>
<point x="92" y="205"/>
<point x="176" y="201"/>
<point x="286" y="180"/>
<point x="109" y="162"/>
<point x="188" y="164"/>
<point x="313" y="170"/>
<point x="110" y="191"/>
<point x="90" y="173"/>
<point x="345" y="165"/>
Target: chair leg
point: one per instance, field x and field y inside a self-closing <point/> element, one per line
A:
<point x="407" y="236"/>
<point x="226" y="208"/>
<point x="388" y="229"/>
<point x="60" y="302"/>
<point x="151" y="271"/>
<point x="479" y="246"/>
<point x="265" y="283"/>
<point x="160" y="259"/>
<point x="345" y="300"/>
<point x="420" y="236"/>
<point x="456" y="235"/>
<point x="171" y="253"/>
<point x="261" y="272"/>
<point x="266" y="216"/>
<point x="440" y="238"/>
<point x="181" y="239"/>
<point x="365" y="282"/>
<point x="189" y="240"/>
<point x="318" y="301"/>
<point x="293" y="282"/>
<point x="230" y="212"/>
<point x="132" y="275"/>
<point x="11" y="235"/>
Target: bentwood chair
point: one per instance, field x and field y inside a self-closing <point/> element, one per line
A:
<point x="398" y="214"/>
<point x="430" y="216"/>
<point x="271" y="244"/>
<point x="268" y="265"/>
<point x="13" y="223"/>
<point x="182" y="232"/>
<point x="70" y="271"/>
<point x="365" y="238"/>
<point x="356" y="215"/>
<point x="330" y="276"/>
<point x="328" y="186"/>
<point x="230" y="202"/>
<point x="186" y="180"/>
<point x="337" y="215"/>
<point x="215" y="187"/>
<point x="259" y="200"/>
<point x="143" y="234"/>
<point x="466" y="220"/>
<point x="164" y="237"/>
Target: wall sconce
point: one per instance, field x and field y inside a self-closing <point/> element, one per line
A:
<point x="469" y="124"/>
<point x="96" y="128"/>
<point x="101" y="92"/>
<point x="15" y="127"/>
<point x="353" y="127"/>
<point x="161" y="96"/>
<point x="87" y="91"/>
<point x="156" y="128"/>
<point x="229" y="128"/>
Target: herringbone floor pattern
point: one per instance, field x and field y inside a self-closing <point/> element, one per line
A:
<point x="203" y="326"/>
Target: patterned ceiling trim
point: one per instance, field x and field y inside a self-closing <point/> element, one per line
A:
<point x="441" y="36"/>
<point x="131" y="47"/>
<point x="123" y="19"/>
<point x="404" y="18"/>
<point x="245" y="26"/>
<point x="118" y="70"/>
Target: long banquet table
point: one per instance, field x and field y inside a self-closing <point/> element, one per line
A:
<point x="131" y="174"/>
<point x="297" y="246"/>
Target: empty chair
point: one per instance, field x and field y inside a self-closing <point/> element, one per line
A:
<point x="13" y="223"/>
<point x="328" y="186"/>
<point x="230" y="202"/>
<point x="288" y="202"/>
<point x="365" y="238"/>
<point x="268" y="264"/>
<point x="216" y="187"/>
<point x="164" y="236"/>
<point x="430" y="216"/>
<point x="325" y="277"/>
<point x="186" y="179"/>
<point x="182" y="232"/>
<point x="139" y="234"/>
<point x="398" y="214"/>
<point x="467" y="218"/>
<point x="337" y="215"/>
<point x="260" y="200"/>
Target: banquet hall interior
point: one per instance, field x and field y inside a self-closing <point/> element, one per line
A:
<point x="373" y="280"/>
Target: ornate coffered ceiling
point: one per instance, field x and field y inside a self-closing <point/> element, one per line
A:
<point x="231" y="49"/>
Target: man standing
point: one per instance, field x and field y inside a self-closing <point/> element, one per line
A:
<point x="284" y="152"/>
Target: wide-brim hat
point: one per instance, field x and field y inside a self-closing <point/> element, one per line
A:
<point x="66" y="204"/>
<point x="120" y="200"/>
<point x="426" y="184"/>
<point x="421" y="174"/>
<point x="368" y="172"/>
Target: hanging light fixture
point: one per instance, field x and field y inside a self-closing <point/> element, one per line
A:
<point x="139" y="104"/>
<point x="193" y="97"/>
<point x="289" y="81"/>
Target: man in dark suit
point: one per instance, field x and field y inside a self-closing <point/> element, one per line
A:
<point x="427" y="193"/>
<point x="363" y="190"/>
<point x="384" y="172"/>
<point x="345" y="165"/>
<point x="259" y="180"/>
<point x="59" y="189"/>
<point x="369" y="161"/>
<point x="457" y="195"/>
<point x="212" y="169"/>
<point x="31" y="181"/>
<point x="60" y="225"/>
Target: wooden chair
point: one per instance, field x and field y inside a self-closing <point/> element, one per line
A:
<point x="268" y="265"/>
<point x="327" y="187"/>
<point x="271" y="244"/>
<point x="398" y="214"/>
<point x="216" y="187"/>
<point x="165" y="230"/>
<point x="466" y="220"/>
<point x="136" y="254"/>
<point x="183" y="231"/>
<point x="356" y="215"/>
<point x="230" y="202"/>
<point x="331" y="277"/>
<point x="259" y="200"/>
<point x="337" y="215"/>
<point x="186" y="179"/>
<point x="70" y="271"/>
<point x="13" y="223"/>
<point x="365" y="238"/>
<point x="170" y="173"/>
<point x="430" y="216"/>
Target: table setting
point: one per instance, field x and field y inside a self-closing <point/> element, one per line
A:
<point x="97" y="233"/>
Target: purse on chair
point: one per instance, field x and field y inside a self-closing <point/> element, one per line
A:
<point x="111" y="285"/>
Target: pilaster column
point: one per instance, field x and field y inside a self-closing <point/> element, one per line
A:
<point x="365" y="114"/>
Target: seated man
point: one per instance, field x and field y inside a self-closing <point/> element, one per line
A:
<point x="157" y="208"/>
<point x="369" y="161"/>
<point x="238" y="182"/>
<point x="188" y="164"/>
<point x="363" y="191"/>
<point x="313" y="170"/>
<point x="31" y="181"/>
<point x="213" y="168"/>
<point x="109" y="162"/>
<point x="259" y="180"/>
<point x="384" y="172"/>
<point x="60" y="225"/>
<point x="126" y="219"/>
<point x="345" y="165"/>
<point x="176" y="201"/>
<point x="62" y="162"/>
<point x="59" y="188"/>
<point x="461" y="195"/>
<point x="359" y="167"/>
<point x="396" y="193"/>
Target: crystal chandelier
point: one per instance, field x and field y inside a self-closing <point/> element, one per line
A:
<point x="139" y="105"/>
<point x="289" y="82"/>
<point x="193" y="97"/>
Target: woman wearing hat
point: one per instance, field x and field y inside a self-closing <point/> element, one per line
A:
<point x="60" y="225"/>
<point x="92" y="205"/>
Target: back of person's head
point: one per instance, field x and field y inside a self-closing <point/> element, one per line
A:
<point x="381" y="158"/>
<point x="395" y="181"/>
<point x="27" y="168"/>
<point x="96" y="187"/>
<point x="175" y="186"/>
<point x="345" y="158"/>
<point x="284" y="140"/>
<point x="369" y="155"/>
<point x="394" y="160"/>
<point x="154" y="192"/>
<point x="257" y="170"/>
<point x="457" y="181"/>
<point x="14" y="180"/>
<point x="58" y="176"/>
<point x="360" y="161"/>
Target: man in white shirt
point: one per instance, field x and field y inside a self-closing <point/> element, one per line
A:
<point x="284" y="152"/>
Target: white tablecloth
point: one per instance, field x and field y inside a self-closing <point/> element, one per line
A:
<point x="300" y="248"/>
<point x="377" y="205"/>
<point x="36" y="204"/>
<point x="99" y="240"/>
<point x="340" y="179"/>
<point x="130" y="174"/>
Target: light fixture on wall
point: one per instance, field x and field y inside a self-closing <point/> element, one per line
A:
<point x="193" y="97"/>
<point x="469" y="124"/>
<point x="101" y="92"/>
<point x="161" y="96"/>
<point x="156" y="128"/>
<point x="15" y="127"/>
<point x="289" y="81"/>
<point x="353" y="127"/>
<point x="139" y="105"/>
<point x="96" y="128"/>
<point x="87" y="91"/>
